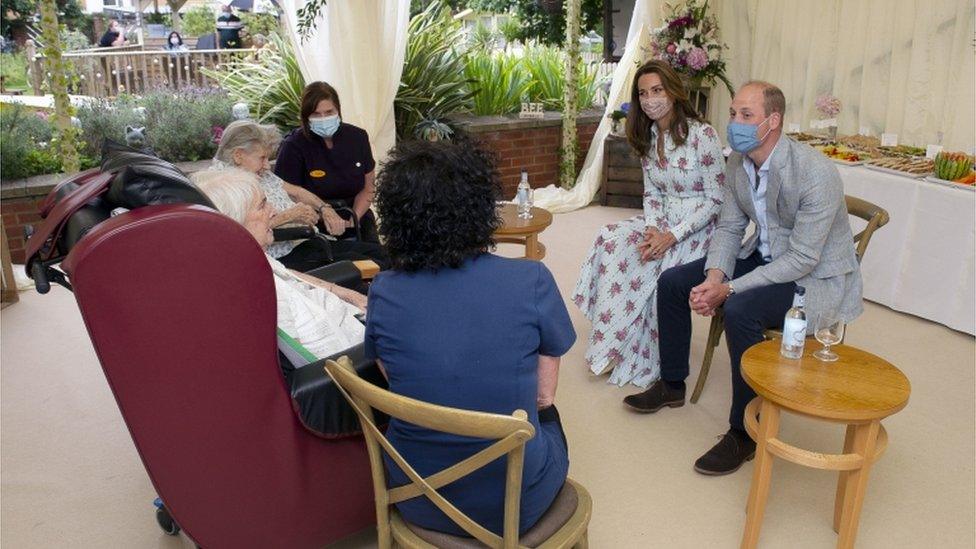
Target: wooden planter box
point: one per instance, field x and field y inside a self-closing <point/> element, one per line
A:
<point x="623" y="177"/>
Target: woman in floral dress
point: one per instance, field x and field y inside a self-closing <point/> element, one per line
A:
<point x="683" y="177"/>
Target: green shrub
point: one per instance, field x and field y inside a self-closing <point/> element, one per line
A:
<point x="199" y="21"/>
<point x="106" y="118"/>
<point x="260" y="23"/>
<point x="481" y="38"/>
<point x="271" y="85"/>
<point x="159" y="18"/>
<point x="501" y="83"/>
<point x="433" y="84"/>
<point x="179" y="126"/>
<point x="74" y="40"/>
<point x="21" y="132"/>
<point x="510" y="30"/>
<point x="13" y="67"/>
<point x="547" y="68"/>
<point x="25" y="144"/>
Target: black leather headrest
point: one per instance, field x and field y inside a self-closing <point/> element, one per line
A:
<point x="146" y="180"/>
<point x="83" y="220"/>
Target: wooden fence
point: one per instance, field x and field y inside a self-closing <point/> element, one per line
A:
<point x="604" y="75"/>
<point x="107" y="72"/>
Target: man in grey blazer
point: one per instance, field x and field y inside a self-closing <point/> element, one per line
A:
<point x="795" y="198"/>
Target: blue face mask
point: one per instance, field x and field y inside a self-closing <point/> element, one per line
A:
<point x="324" y="127"/>
<point x="743" y="137"/>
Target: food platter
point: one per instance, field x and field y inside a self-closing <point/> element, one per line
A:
<point x="843" y="155"/>
<point x="870" y="166"/>
<point x="907" y="167"/>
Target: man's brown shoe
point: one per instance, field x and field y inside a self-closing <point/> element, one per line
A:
<point x="657" y="396"/>
<point x="728" y="455"/>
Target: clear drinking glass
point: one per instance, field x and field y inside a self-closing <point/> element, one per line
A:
<point x="829" y="331"/>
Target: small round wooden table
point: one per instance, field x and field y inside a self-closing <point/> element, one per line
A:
<point x="515" y="230"/>
<point x="858" y="390"/>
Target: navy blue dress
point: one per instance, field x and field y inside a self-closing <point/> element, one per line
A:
<point x="470" y="338"/>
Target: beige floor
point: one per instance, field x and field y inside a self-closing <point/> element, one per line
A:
<point x="71" y="477"/>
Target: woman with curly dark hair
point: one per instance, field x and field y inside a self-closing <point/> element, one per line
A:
<point x="455" y="325"/>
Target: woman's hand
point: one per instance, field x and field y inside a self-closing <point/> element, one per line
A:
<point x="306" y="214"/>
<point x="299" y="213"/>
<point x="334" y="223"/>
<point x="656" y="243"/>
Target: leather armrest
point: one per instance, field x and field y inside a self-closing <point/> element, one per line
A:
<point x="344" y="273"/>
<point x="293" y="233"/>
<point x="319" y="404"/>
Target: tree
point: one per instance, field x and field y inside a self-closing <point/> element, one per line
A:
<point x="567" y="161"/>
<point x="57" y="75"/>
<point x="16" y="14"/>
<point x="199" y="21"/>
<point x="537" y="22"/>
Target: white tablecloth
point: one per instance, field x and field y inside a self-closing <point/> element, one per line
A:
<point x="923" y="261"/>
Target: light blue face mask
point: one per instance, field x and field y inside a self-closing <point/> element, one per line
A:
<point x="743" y="137"/>
<point x="324" y="127"/>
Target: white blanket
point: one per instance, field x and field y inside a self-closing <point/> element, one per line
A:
<point x="313" y="316"/>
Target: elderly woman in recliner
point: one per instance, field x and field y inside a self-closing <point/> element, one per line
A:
<point x="249" y="146"/>
<point x="318" y="314"/>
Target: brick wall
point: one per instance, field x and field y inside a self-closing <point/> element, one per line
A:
<point x="532" y="145"/>
<point x="17" y="212"/>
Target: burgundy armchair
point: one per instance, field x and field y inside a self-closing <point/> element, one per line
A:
<point x="180" y="305"/>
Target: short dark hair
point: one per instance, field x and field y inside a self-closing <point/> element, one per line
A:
<point x="437" y="203"/>
<point x="773" y="98"/>
<point x="312" y="95"/>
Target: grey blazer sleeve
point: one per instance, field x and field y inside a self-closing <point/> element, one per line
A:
<point x="821" y="197"/>
<point x="730" y="229"/>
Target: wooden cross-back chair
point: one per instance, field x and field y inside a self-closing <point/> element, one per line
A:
<point x="510" y="434"/>
<point x="876" y="217"/>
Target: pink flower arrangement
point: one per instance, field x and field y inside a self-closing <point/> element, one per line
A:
<point x="697" y="59"/>
<point x="828" y="106"/>
<point x="688" y="41"/>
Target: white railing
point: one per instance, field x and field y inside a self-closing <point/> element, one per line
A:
<point x="110" y="71"/>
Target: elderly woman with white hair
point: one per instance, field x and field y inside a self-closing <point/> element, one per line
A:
<point x="318" y="314"/>
<point x="249" y="146"/>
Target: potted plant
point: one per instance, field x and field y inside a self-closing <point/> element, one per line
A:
<point x="616" y="116"/>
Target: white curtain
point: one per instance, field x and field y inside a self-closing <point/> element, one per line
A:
<point x="358" y="47"/>
<point x="557" y="199"/>
<point x="898" y="66"/>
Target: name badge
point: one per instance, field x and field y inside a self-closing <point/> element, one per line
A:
<point x="317" y="173"/>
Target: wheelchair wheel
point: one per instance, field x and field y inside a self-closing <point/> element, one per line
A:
<point x="166" y="522"/>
